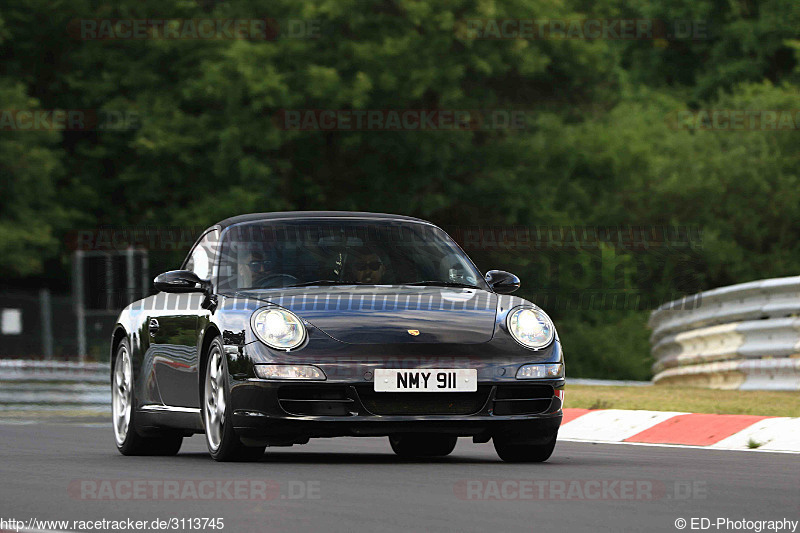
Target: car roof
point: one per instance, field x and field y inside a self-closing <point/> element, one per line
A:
<point x="305" y="215"/>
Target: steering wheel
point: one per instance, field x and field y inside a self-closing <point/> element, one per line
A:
<point x="269" y="281"/>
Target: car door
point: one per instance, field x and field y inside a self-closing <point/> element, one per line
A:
<point x="174" y="331"/>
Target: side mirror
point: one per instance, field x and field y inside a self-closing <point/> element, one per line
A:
<point x="180" y="281"/>
<point x="502" y="282"/>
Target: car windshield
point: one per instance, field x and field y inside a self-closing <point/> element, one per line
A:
<point x="267" y="255"/>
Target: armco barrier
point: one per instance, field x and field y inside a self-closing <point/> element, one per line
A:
<point x="54" y="386"/>
<point x="22" y="370"/>
<point x="745" y="336"/>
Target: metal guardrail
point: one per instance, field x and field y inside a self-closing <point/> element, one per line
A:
<point x="606" y="382"/>
<point x="744" y="336"/>
<point x="16" y="369"/>
<point x="54" y="386"/>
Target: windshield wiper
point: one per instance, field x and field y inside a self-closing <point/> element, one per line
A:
<point x="436" y="283"/>
<point x="326" y="282"/>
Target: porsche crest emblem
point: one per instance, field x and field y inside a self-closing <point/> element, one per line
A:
<point x="413" y="332"/>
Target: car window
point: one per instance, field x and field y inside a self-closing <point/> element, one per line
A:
<point x="264" y="255"/>
<point x="201" y="258"/>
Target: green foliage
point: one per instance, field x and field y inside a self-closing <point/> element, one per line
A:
<point x="30" y="166"/>
<point x="602" y="145"/>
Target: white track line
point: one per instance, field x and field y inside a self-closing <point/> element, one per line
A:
<point x="585" y="441"/>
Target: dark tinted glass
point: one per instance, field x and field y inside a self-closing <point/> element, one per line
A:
<point x="264" y="255"/>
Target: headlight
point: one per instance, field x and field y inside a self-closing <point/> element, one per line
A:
<point x="278" y="328"/>
<point x="531" y="327"/>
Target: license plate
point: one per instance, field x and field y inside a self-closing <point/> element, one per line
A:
<point x="426" y="380"/>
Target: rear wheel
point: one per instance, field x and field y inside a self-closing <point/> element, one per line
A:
<point x="123" y="413"/>
<point x="222" y="441"/>
<point x="514" y="451"/>
<point x="423" y="445"/>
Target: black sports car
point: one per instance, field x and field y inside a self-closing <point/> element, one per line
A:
<point x="280" y="327"/>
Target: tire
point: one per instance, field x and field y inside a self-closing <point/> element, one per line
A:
<point x="514" y="451"/>
<point x="423" y="445"/>
<point x="123" y="412"/>
<point x="223" y="443"/>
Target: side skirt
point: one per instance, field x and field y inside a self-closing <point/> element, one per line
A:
<point x="165" y="416"/>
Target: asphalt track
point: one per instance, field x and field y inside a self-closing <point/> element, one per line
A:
<point x="360" y="485"/>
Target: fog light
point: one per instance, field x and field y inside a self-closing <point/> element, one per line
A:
<point x="552" y="370"/>
<point x="290" y="372"/>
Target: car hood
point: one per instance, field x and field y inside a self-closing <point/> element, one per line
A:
<point x="391" y="315"/>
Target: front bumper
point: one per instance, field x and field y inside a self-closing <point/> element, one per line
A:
<point x="281" y="412"/>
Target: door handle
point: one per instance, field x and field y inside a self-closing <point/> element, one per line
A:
<point x="153" y="327"/>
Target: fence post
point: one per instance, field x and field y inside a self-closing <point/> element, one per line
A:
<point x="107" y="261"/>
<point x="130" y="292"/>
<point x="145" y="281"/>
<point x="80" y="309"/>
<point x="47" y="324"/>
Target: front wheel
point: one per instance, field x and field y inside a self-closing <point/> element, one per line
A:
<point x="222" y="441"/>
<point x="514" y="451"/>
<point x="123" y="413"/>
<point x="422" y="445"/>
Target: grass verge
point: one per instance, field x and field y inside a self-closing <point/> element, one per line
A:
<point x="688" y="400"/>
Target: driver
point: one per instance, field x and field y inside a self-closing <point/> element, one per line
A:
<point x="255" y="268"/>
<point x="367" y="267"/>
